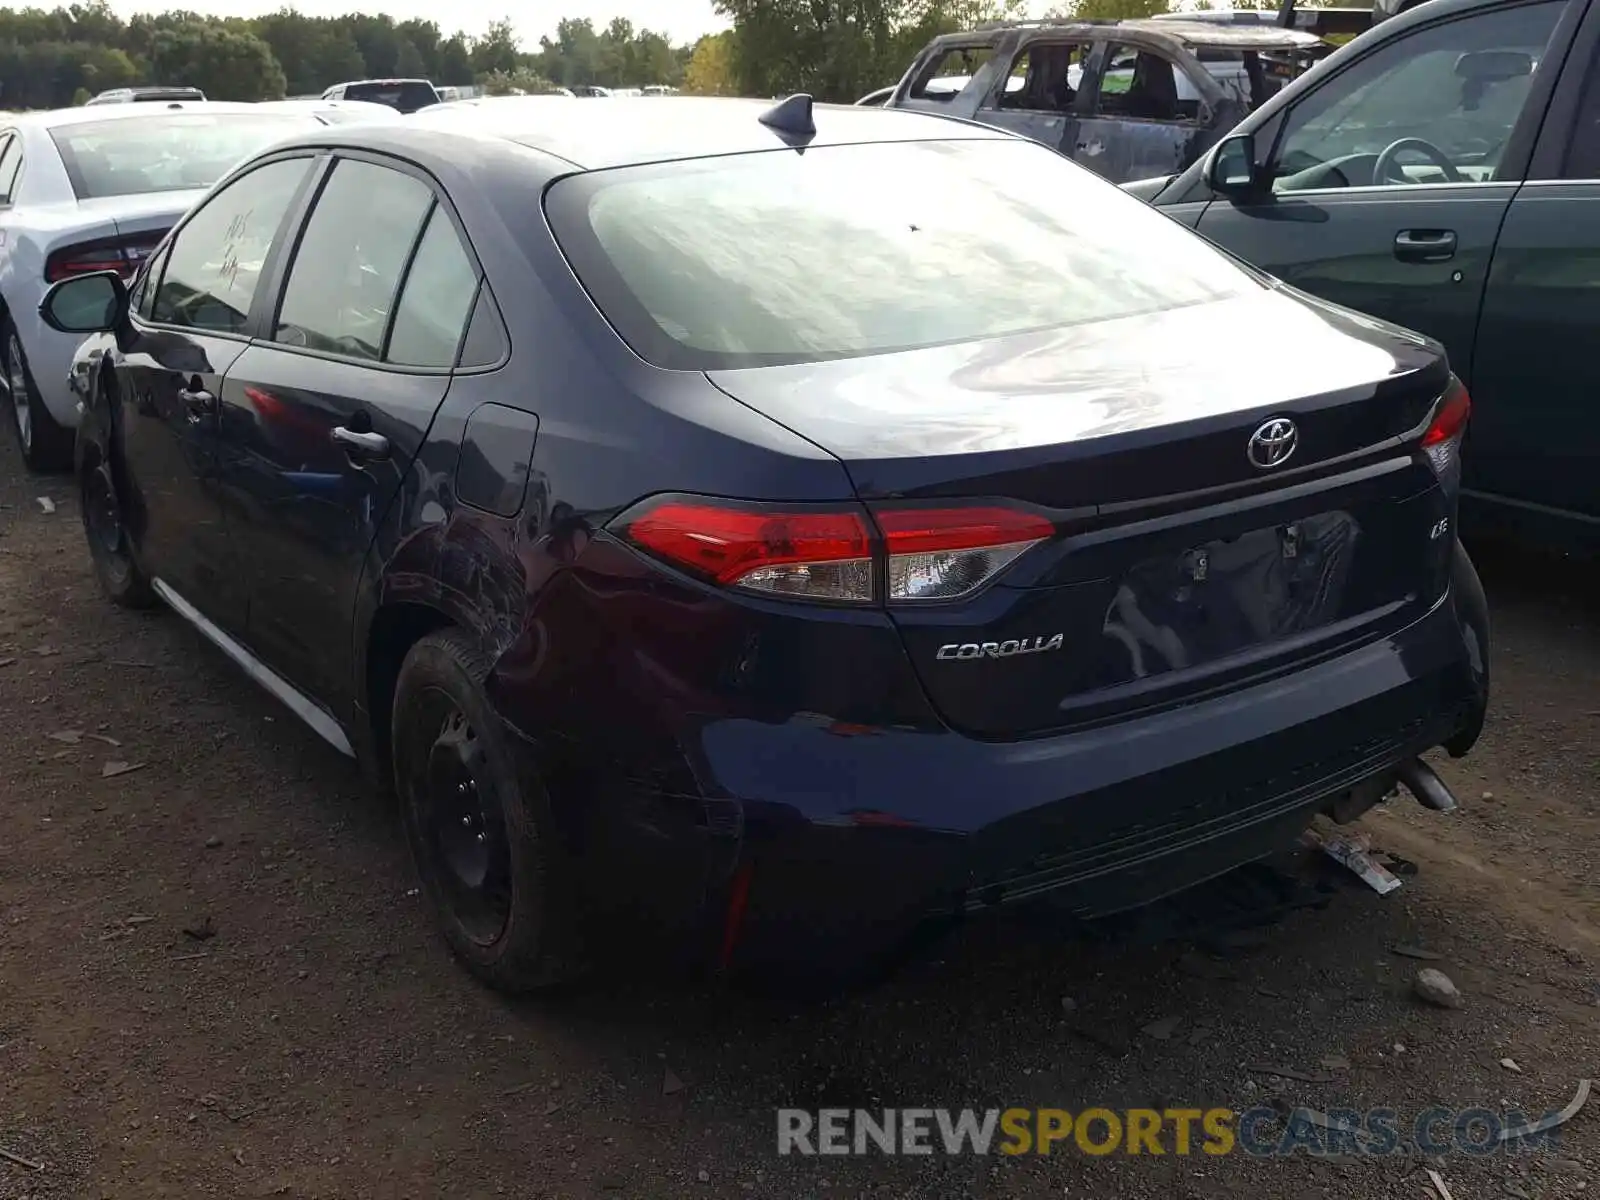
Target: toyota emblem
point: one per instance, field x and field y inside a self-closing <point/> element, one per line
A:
<point x="1272" y="444"/>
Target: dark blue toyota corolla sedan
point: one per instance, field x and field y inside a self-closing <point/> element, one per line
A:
<point x="778" y="530"/>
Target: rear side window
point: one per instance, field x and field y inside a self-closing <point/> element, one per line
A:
<point x="1141" y="85"/>
<point x="778" y="257"/>
<point x="437" y="299"/>
<point x="347" y="269"/>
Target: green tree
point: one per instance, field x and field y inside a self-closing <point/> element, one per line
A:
<point x="710" y="69"/>
<point x="408" y="63"/>
<point x="454" y="63"/>
<point x="522" y="80"/>
<point x="223" y="63"/>
<point x="424" y="37"/>
<point x="496" y="50"/>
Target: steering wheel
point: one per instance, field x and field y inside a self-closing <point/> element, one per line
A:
<point x="1385" y="169"/>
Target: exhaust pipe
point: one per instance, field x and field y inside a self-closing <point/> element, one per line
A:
<point x="1426" y="786"/>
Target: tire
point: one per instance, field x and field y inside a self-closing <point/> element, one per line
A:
<point x="102" y="507"/>
<point x="478" y="823"/>
<point x="46" y="445"/>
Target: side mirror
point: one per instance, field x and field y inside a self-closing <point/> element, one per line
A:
<point x="95" y="303"/>
<point x="1231" y="170"/>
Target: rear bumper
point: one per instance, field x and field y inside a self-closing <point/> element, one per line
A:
<point x="854" y="841"/>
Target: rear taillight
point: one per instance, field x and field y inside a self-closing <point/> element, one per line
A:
<point x="816" y="555"/>
<point x="1442" y="441"/>
<point x="946" y="553"/>
<point x="124" y="255"/>
<point x="835" y="554"/>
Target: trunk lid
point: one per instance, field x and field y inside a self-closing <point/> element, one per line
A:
<point x="1179" y="565"/>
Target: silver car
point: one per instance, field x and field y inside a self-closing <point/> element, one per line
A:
<point x="90" y="189"/>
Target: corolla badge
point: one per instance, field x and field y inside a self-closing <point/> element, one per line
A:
<point x="1273" y="443"/>
<point x="1006" y="649"/>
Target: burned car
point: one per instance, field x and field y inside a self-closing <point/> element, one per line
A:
<point x="1128" y="99"/>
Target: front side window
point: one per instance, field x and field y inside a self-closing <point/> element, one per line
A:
<point x="777" y="257"/>
<point x="143" y="295"/>
<point x="1142" y="85"/>
<point x="1435" y="106"/>
<point x="214" y="262"/>
<point x="347" y="269"/>
<point x="945" y="78"/>
<point x="164" y="152"/>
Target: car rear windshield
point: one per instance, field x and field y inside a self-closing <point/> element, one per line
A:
<point x="169" y="152"/>
<point x="407" y="97"/>
<point x="783" y="257"/>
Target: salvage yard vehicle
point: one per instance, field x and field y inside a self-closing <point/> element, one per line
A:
<point x="82" y="189"/>
<point x="801" y="528"/>
<point x="1128" y="99"/>
<point x="1443" y="172"/>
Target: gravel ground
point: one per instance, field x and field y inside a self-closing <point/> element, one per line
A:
<point x="216" y="979"/>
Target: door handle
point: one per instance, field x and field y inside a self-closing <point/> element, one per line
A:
<point x="1425" y="245"/>
<point x="199" y="401"/>
<point x="359" y="444"/>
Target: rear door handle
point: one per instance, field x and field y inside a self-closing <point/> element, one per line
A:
<point x="359" y="444"/>
<point x="1425" y="245"/>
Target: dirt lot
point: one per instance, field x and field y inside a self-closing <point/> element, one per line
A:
<point x="322" y="1043"/>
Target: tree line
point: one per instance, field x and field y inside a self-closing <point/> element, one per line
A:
<point x="50" y="58"/>
<point x="837" y="50"/>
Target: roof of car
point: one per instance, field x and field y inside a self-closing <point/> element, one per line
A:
<point x="636" y="130"/>
<point x="1184" y="29"/>
<point x="85" y="114"/>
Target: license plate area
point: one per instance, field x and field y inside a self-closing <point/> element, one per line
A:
<point x="1174" y="612"/>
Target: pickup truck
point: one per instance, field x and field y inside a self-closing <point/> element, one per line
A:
<point x="1442" y="172"/>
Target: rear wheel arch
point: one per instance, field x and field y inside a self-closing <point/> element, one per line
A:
<point x="395" y="628"/>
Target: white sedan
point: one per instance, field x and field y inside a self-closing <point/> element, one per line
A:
<point x="92" y="189"/>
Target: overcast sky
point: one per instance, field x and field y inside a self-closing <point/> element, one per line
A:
<point x="681" y="20"/>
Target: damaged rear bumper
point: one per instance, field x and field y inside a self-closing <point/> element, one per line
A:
<point x="851" y="843"/>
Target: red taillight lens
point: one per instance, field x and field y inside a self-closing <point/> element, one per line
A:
<point x="946" y="553"/>
<point x="122" y="255"/>
<point x="828" y="554"/>
<point x="1442" y="441"/>
<point x="1450" y="421"/>
<point x="818" y="555"/>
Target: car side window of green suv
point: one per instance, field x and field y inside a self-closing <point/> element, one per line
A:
<point x="1436" y="105"/>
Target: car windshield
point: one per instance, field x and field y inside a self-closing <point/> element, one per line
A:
<point x="779" y="257"/>
<point x="407" y="97"/>
<point x="170" y="152"/>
